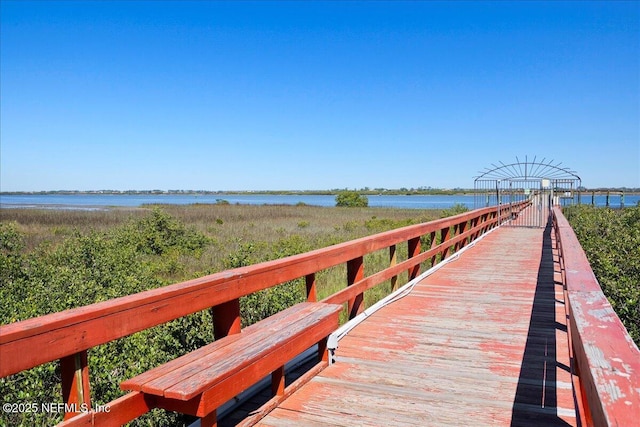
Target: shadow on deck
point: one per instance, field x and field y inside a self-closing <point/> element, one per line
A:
<point x="536" y="399"/>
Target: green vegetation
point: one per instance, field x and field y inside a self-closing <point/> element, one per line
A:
<point x="611" y="241"/>
<point x="456" y="209"/>
<point x="51" y="260"/>
<point x="351" y="199"/>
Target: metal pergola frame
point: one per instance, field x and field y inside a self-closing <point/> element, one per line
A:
<point x="528" y="170"/>
<point x="525" y="180"/>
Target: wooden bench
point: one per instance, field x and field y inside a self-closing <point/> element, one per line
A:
<point x="199" y="382"/>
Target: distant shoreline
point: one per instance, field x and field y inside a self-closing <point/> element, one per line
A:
<point x="333" y="192"/>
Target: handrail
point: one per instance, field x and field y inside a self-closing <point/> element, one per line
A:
<point x="67" y="335"/>
<point x="605" y="357"/>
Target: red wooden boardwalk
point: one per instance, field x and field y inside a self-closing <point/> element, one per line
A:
<point x="482" y="341"/>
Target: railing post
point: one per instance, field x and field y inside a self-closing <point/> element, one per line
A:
<point x="414" y="250"/>
<point x="226" y="321"/>
<point x="74" y="370"/>
<point x="393" y="260"/>
<point x="462" y="227"/>
<point x="355" y="273"/>
<point x="433" y="245"/>
<point x="498" y="199"/>
<point x="310" y="281"/>
<point x="226" y="318"/>
<point x="474" y="223"/>
<point x="455" y="232"/>
<point x="445" y="234"/>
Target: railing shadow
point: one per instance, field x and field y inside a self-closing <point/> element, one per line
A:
<point x="536" y="394"/>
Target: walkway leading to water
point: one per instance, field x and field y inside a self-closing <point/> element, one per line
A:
<point x="480" y="342"/>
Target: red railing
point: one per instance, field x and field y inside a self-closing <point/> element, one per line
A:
<point x="603" y="354"/>
<point x="67" y="335"/>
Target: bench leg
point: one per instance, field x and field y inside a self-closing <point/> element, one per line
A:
<point x="210" y="420"/>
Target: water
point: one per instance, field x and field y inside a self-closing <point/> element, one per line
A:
<point x="103" y="201"/>
<point x="615" y="200"/>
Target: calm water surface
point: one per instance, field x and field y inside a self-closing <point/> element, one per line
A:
<point x="102" y="201"/>
<point x="87" y="201"/>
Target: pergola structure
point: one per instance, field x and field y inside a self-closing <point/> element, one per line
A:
<point x="544" y="182"/>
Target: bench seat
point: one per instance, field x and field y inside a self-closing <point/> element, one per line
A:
<point x="211" y="375"/>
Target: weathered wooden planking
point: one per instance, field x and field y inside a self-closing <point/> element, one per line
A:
<point x="192" y="374"/>
<point x="194" y="357"/>
<point x="231" y="386"/>
<point x="315" y="325"/>
<point x="482" y="341"/>
<point x="411" y="265"/>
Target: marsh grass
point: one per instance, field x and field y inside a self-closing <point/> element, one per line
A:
<point x="54" y="225"/>
<point x="237" y="235"/>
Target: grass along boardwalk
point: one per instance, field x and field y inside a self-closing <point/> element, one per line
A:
<point x="481" y="341"/>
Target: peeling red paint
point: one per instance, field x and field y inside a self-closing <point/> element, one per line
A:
<point x="607" y="358"/>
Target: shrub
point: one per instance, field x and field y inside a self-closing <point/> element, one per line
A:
<point x="378" y="225"/>
<point x="11" y="246"/>
<point x="456" y="209"/>
<point x="351" y="199"/>
<point x="84" y="269"/>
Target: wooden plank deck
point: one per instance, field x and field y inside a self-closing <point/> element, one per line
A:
<point x="482" y="341"/>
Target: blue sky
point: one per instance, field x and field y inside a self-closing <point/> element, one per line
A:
<point x="305" y="95"/>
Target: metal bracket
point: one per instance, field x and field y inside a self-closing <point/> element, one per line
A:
<point x="332" y="345"/>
